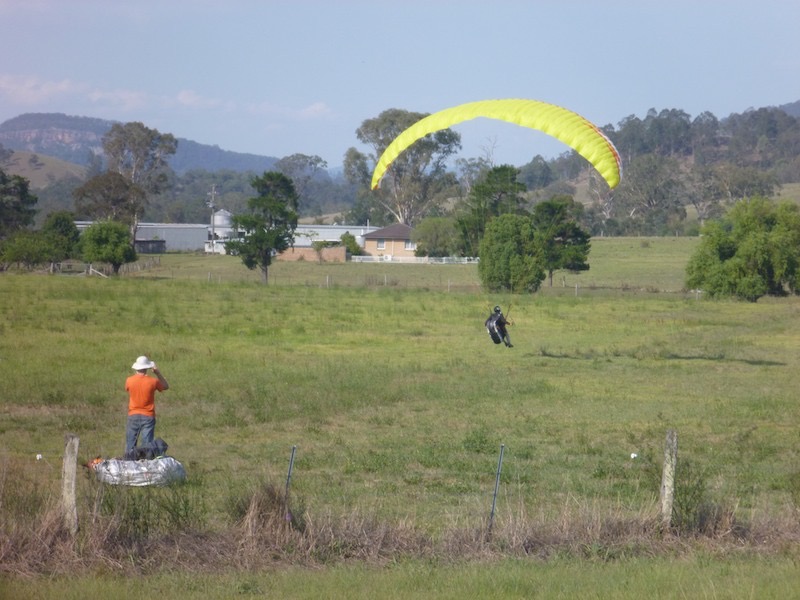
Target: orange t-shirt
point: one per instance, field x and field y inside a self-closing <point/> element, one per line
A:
<point x="142" y="390"/>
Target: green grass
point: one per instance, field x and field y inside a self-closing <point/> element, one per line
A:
<point x="631" y="264"/>
<point x="697" y="578"/>
<point x="398" y="402"/>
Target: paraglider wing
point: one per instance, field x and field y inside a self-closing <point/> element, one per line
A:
<point x="569" y="127"/>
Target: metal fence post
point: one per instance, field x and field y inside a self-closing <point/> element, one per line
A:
<point x="496" y="485"/>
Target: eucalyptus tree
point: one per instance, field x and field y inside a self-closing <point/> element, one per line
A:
<point x="410" y="187"/>
<point x="303" y="170"/>
<point x="706" y="141"/>
<point x="109" y="196"/>
<point x="651" y="194"/>
<point x="139" y="154"/>
<point x="536" y="174"/>
<point x="470" y="171"/>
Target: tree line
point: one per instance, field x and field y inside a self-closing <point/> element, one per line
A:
<point x="672" y="164"/>
<point x="679" y="171"/>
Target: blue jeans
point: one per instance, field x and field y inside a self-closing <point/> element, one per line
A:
<point x="141" y="427"/>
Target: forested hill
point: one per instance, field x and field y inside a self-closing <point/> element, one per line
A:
<point x="75" y="139"/>
<point x="792" y="109"/>
<point x="679" y="171"/>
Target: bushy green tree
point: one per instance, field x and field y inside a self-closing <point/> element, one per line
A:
<point x="753" y="251"/>
<point x="56" y="241"/>
<point x="269" y="226"/>
<point x="497" y="193"/>
<point x="16" y="204"/>
<point x="60" y="229"/>
<point x="109" y="196"/>
<point x="28" y="249"/>
<point x="508" y="255"/>
<point x="436" y="236"/>
<point x="108" y="242"/>
<point x="351" y="244"/>
<point x="560" y="241"/>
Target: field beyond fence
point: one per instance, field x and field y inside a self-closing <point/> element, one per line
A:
<point x="621" y="264"/>
<point x="384" y="381"/>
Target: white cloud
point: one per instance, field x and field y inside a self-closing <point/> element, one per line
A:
<point x="191" y="99"/>
<point x="28" y="91"/>
<point x="317" y="110"/>
<point x="124" y="100"/>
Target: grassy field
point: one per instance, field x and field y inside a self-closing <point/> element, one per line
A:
<point x="702" y="577"/>
<point x="633" y="264"/>
<point x="385" y="381"/>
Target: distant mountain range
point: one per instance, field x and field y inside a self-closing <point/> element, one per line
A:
<point x="74" y="139"/>
<point x="793" y="109"/>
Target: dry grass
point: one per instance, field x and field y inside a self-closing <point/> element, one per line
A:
<point x="267" y="529"/>
<point x="43" y="170"/>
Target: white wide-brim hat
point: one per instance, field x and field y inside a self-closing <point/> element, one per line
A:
<point x="143" y="363"/>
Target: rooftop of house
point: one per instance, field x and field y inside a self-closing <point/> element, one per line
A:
<point x="398" y="231"/>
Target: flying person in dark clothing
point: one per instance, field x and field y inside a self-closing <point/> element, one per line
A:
<point x="497" y="326"/>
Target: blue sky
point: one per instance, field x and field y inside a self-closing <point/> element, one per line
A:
<point x="283" y="77"/>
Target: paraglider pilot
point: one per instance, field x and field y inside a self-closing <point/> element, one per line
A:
<point x="497" y="325"/>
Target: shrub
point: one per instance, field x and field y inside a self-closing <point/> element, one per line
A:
<point x="752" y="252"/>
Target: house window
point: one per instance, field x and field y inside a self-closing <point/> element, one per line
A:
<point x="409" y="245"/>
<point x="381" y="244"/>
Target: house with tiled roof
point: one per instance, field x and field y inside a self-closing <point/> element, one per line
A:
<point x="390" y="242"/>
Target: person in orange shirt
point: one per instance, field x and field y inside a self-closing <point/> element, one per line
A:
<point x="141" y="403"/>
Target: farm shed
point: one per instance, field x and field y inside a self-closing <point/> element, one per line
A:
<point x="177" y="237"/>
<point x="305" y="235"/>
<point x="304" y="238"/>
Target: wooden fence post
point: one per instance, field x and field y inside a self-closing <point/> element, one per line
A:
<point x="68" y="477"/>
<point x="668" y="478"/>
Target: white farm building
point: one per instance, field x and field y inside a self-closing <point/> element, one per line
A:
<point x="153" y="238"/>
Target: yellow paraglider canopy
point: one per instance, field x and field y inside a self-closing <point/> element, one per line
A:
<point x="569" y="127"/>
